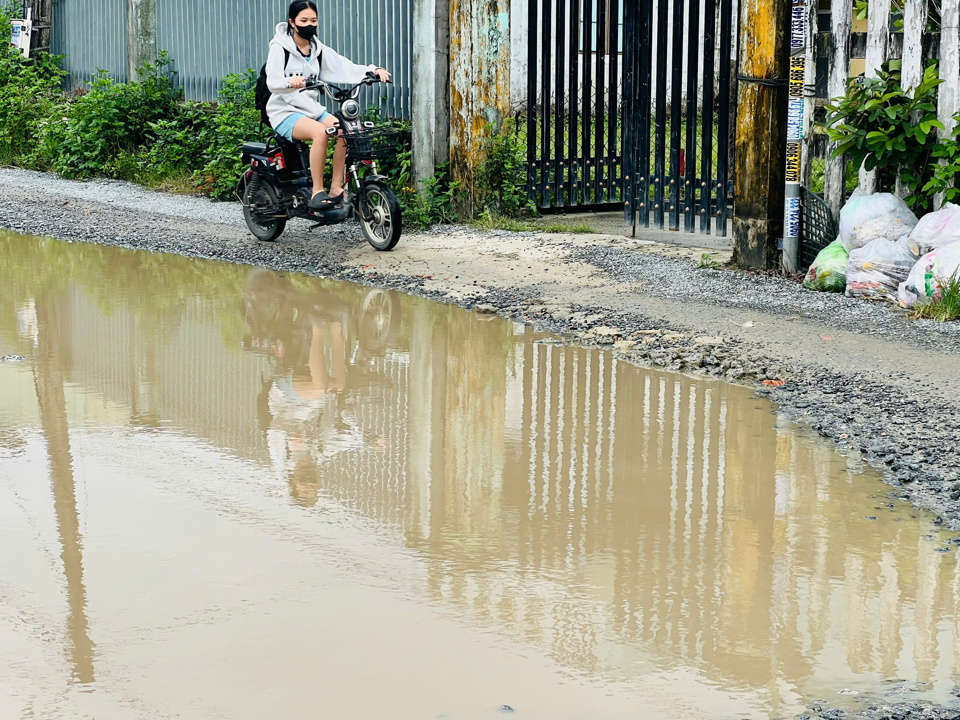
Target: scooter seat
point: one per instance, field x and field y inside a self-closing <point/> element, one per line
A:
<point x="254" y="148"/>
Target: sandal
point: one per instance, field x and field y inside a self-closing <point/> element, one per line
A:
<point x="322" y="202"/>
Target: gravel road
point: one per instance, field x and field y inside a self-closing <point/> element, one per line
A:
<point x="862" y="374"/>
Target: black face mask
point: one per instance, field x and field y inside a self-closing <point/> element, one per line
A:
<point x="307" y="32"/>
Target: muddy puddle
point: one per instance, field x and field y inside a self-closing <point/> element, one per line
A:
<point x="228" y="492"/>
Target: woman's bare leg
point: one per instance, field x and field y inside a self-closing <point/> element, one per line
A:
<point x="339" y="161"/>
<point x="308" y="130"/>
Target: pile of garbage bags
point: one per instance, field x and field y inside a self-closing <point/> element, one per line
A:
<point x="885" y="253"/>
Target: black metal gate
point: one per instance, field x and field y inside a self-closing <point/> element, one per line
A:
<point x="629" y="105"/>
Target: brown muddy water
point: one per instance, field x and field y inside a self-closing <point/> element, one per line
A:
<point x="232" y="493"/>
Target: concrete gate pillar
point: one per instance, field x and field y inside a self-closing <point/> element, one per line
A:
<point x="480" y="86"/>
<point x="431" y="87"/>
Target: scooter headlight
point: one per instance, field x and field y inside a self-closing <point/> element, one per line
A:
<point x="350" y="109"/>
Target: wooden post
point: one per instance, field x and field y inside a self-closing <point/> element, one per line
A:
<point x="948" y="102"/>
<point x="878" y="36"/>
<point x="480" y="87"/>
<point x="835" y="171"/>
<point x="911" y="61"/>
<point x="914" y="22"/>
<point x="761" y="133"/>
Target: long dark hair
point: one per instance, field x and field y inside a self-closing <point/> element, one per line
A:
<point x="297" y="7"/>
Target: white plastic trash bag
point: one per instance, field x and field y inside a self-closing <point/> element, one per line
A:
<point x="875" y="271"/>
<point x="866" y="218"/>
<point x="935" y="230"/>
<point x="922" y="284"/>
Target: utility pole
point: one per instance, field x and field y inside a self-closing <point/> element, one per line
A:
<point x="761" y="132"/>
<point x="141" y="36"/>
<point x="480" y="86"/>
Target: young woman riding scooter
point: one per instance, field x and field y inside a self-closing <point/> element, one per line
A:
<point x="296" y="55"/>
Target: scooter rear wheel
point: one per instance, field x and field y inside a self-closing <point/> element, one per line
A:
<point x="262" y="227"/>
<point x="381" y="221"/>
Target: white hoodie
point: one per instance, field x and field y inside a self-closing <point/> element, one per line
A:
<point x="284" y="100"/>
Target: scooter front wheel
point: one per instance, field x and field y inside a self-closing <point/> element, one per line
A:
<point x="381" y="220"/>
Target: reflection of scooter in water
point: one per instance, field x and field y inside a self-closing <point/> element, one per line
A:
<point x="323" y="347"/>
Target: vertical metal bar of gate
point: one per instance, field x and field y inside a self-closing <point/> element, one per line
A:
<point x="643" y="110"/>
<point x="693" y="53"/>
<point x="676" y="115"/>
<point x="723" y="119"/>
<point x="601" y="85"/>
<point x="586" y="128"/>
<point x="545" y="103"/>
<point x="706" y="152"/>
<point x="631" y="180"/>
<point x="574" y="105"/>
<point x="532" y="162"/>
<point x="660" y="170"/>
<point x="613" y="107"/>
<point x="559" y="126"/>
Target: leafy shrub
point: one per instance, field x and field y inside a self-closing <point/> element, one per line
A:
<point x="888" y="130"/>
<point x="945" y="176"/>
<point x="114" y="119"/>
<point x="29" y="94"/>
<point x="501" y="177"/>
<point x="235" y="121"/>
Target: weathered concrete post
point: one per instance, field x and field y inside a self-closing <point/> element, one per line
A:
<point x="141" y="36"/>
<point x="480" y="86"/>
<point x="761" y="132"/>
<point x="431" y="86"/>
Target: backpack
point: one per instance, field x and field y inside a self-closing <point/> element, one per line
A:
<point x="262" y="93"/>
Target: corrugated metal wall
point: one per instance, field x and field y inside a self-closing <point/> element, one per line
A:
<point x="208" y="39"/>
<point x="92" y="33"/>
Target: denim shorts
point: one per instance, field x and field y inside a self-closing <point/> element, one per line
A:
<point x="285" y="128"/>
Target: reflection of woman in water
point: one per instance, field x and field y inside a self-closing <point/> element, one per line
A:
<point x="301" y="407"/>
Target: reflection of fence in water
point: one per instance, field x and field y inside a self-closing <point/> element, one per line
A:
<point x="181" y="373"/>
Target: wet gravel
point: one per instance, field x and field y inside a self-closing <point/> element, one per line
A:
<point x="914" y="445"/>
<point x="671" y="278"/>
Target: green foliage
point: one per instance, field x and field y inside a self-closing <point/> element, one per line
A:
<point x="501" y="177"/>
<point x="433" y="203"/>
<point x="946" y="307"/>
<point x="883" y="128"/>
<point x="109" y="123"/>
<point x="707" y="262"/>
<point x="235" y="122"/>
<point x="945" y="176"/>
<point x="29" y="95"/>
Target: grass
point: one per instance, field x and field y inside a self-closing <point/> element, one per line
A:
<point x="580" y="229"/>
<point x="946" y="308"/>
<point x="489" y="221"/>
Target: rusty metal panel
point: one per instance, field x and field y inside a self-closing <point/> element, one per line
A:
<point x="92" y="36"/>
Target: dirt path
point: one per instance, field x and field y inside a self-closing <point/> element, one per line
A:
<point x="861" y="374"/>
